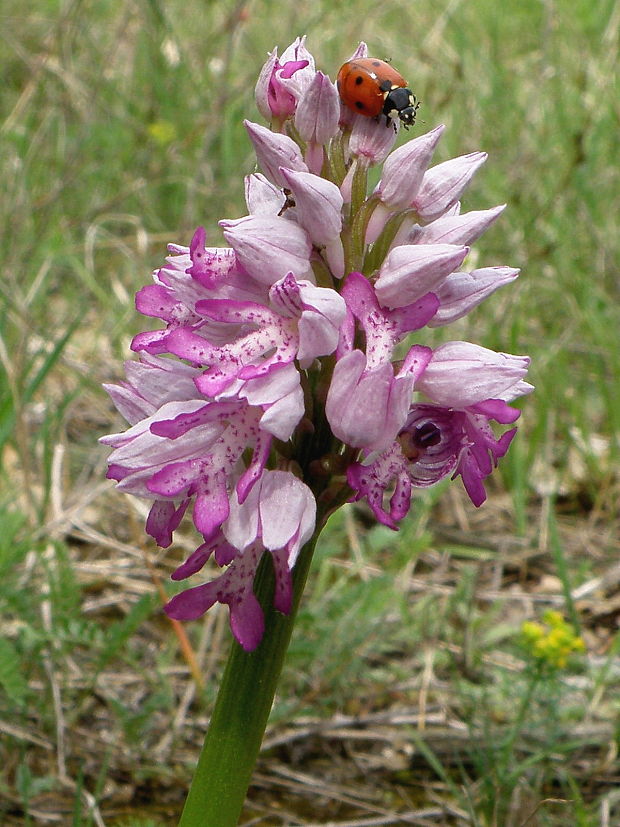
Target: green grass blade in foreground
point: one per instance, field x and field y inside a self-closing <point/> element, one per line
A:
<point x="8" y="412"/>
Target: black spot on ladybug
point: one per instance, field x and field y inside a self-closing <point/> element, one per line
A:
<point x="359" y="104"/>
<point x="359" y="79"/>
<point x="376" y="63"/>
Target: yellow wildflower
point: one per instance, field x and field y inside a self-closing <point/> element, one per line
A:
<point x="552" y="641"/>
<point x="162" y="132"/>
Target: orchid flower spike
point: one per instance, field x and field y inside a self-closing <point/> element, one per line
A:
<point x="275" y="385"/>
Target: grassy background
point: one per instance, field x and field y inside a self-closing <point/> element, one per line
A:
<point x="406" y="690"/>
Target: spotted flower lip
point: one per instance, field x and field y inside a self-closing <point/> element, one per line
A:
<point x="383" y="328"/>
<point x="280" y="379"/>
<point x="292" y="328"/>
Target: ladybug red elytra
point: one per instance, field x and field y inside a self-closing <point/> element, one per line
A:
<point x="371" y="87"/>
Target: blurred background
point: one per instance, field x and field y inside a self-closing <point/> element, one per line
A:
<point x="463" y="671"/>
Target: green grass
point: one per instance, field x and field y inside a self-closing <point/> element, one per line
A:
<point x="120" y="130"/>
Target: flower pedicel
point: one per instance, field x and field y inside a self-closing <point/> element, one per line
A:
<point x="283" y="398"/>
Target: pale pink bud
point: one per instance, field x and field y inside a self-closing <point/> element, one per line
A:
<point x="261" y="196"/>
<point x="318" y="203"/>
<point x="443" y="185"/>
<point x="361" y="51"/>
<point x="461" y="292"/>
<point x="411" y="271"/>
<point x="273" y="151"/>
<point x="269" y="247"/>
<point x="404" y="169"/>
<point x="456" y="229"/>
<point x="318" y="111"/>
<point x="371" y="139"/>
<point x="461" y="374"/>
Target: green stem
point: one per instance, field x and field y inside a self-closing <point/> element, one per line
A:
<point x="242" y="708"/>
<point x="515" y="729"/>
<point x="359" y="185"/>
<point x="382" y="245"/>
<point x="559" y="558"/>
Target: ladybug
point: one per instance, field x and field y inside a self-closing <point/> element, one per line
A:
<point x="371" y="87"/>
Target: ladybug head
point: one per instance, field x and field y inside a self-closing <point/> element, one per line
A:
<point x="401" y="103"/>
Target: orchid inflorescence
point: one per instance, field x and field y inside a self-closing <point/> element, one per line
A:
<point x="286" y="398"/>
